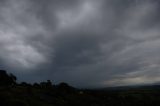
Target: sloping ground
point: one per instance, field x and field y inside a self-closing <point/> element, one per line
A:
<point x="32" y="96"/>
<point x="19" y="95"/>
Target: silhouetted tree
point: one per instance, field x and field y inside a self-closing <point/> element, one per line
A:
<point x="47" y="84"/>
<point x="24" y="84"/>
<point x="6" y="79"/>
<point x="13" y="78"/>
<point x="64" y="87"/>
<point x="36" y="85"/>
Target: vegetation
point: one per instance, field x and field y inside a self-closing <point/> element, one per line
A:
<point x="47" y="94"/>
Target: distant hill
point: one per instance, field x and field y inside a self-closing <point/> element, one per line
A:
<point x="147" y="87"/>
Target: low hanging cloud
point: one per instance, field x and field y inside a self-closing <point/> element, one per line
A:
<point x="87" y="43"/>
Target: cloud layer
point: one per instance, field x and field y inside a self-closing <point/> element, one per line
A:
<point x="87" y="43"/>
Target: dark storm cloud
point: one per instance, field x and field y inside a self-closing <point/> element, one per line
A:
<point x="87" y="43"/>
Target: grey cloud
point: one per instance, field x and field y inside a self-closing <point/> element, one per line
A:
<point x="86" y="43"/>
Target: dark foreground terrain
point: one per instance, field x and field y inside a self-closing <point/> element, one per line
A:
<point x="47" y="94"/>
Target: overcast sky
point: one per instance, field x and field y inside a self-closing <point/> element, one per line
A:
<point x="86" y="43"/>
